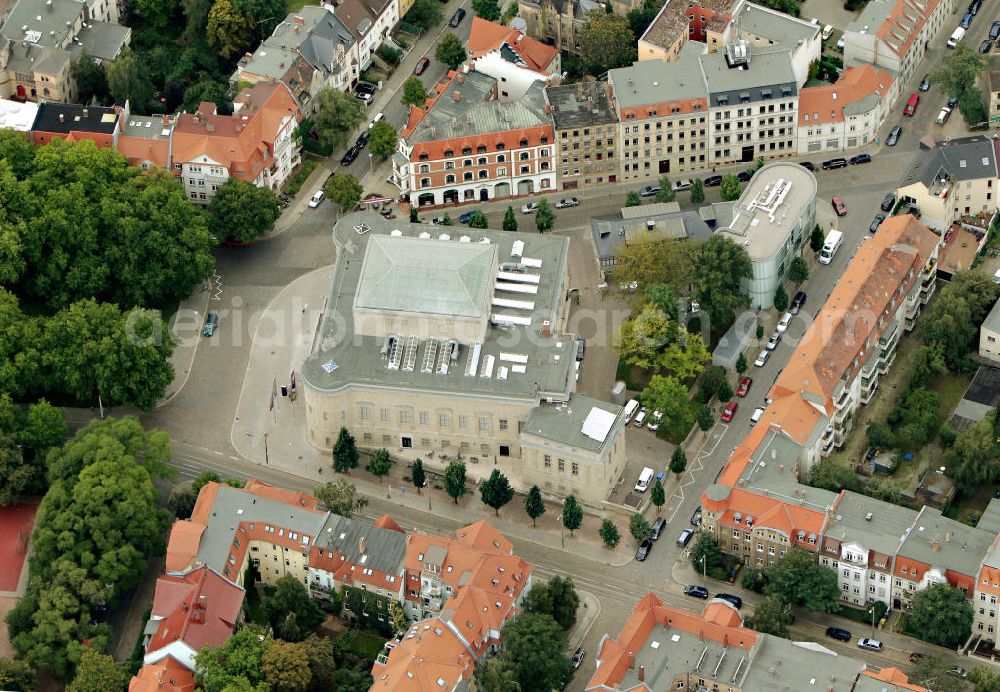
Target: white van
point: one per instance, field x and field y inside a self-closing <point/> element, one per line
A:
<point x="956" y="36"/>
<point x="830" y="247"/>
<point x="645" y="478"/>
<point x="640" y="418"/>
<point x="630" y="408"/>
<point x="757" y="413"/>
<point x="943" y="115"/>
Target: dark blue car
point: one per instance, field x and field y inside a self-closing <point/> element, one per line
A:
<point x="466" y="217"/>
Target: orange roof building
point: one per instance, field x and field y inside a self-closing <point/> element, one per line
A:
<point x="166" y="676"/>
<point x="850" y="111"/>
<point x="254" y="144"/>
<point x="510" y="45"/>
<point x="663" y="648"/>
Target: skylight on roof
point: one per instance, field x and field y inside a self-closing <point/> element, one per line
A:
<point x="654" y="645"/>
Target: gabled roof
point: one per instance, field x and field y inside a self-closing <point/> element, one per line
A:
<point x="486" y="37"/>
<point x="166" y="675"/>
<point x="967" y="158"/>
<point x="387" y="522"/>
<point x="428" y="659"/>
<point x="857" y="91"/>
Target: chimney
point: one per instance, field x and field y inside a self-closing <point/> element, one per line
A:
<point x="299" y="20"/>
<point x="461" y="78"/>
<point x="546" y="329"/>
<point x="631" y="660"/>
<point x="590" y="103"/>
<point x="781" y="468"/>
<point x="362" y="544"/>
<point x="725" y="641"/>
<point x="457" y="95"/>
<point x="935" y="545"/>
<point x="166" y="119"/>
<point x="642" y="673"/>
<point x="86" y="112"/>
<point x="62" y="118"/>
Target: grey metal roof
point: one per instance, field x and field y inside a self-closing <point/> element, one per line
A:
<point x="768" y="74"/>
<point x="29" y="58"/>
<point x="101" y="40"/>
<point x="50" y="21"/>
<point x="385" y="549"/>
<point x="780" y="664"/>
<point x="233" y="506"/>
<point x="883" y="533"/>
<point x="563" y="423"/>
<point x="315" y="39"/>
<point x="611" y="233"/>
<point x="649" y="82"/>
<point x="570" y="105"/>
<point x="344" y="358"/>
<point x="411" y="275"/>
<point x="146" y="126"/>
<point x="872" y="17"/>
<point x="464" y="109"/>
<point x="942" y="542"/>
<point x="774" y="25"/>
<point x="968" y="158"/>
<point x="778" y="480"/>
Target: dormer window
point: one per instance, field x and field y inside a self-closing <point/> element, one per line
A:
<point x="466" y="150"/>
<point x="481" y="149"/>
<point x="448" y="153"/>
<point x="545" y="139"/>
<point x="500" y="146"/>
<point x="423" y="157"/>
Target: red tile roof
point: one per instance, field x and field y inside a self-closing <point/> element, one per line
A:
<point x="486" y="37"/>
<point x="165" y="676"/>
<point x="199" y="609"/>
<point x="819" y="105"/>
<point x="387" y="522"/>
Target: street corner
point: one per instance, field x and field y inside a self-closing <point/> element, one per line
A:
<point x="586" y="614"/>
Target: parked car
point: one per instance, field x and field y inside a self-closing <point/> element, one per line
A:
<point x="729" y="412"/>
<point x="831" y="164"/>
<point x="986" y="46"/>
<point x="838" y="206"/>
<point x="379" y="117"/>
<point x="362" y="141"/>
<point x="643" y="551"/>
<point x="316" y="199"/>
<point x="744" y="176"/>
<point x="349" y="156"/>
<point x="657" y="528"/>
<point x="744" y="387"/>
<point x="756" y="416"/>
<point x="713" y="181"/>
<point x="966" y="20"/>
<point x="876" y="222"/>
<point x="696" y="516"/>
<point x="888" y="202"/>
<point x="567" y="203"/>
<point x="735" y="601"/>
<point x="457" y="18"/>
<point x="783" y="323"/>
<point x="974" y="7"/>
<point x="529" y="208"/>
<point x="925" y="83"/>
<point x="861" y="158"/>
<point x="654" y="421"/>
<point x="762" y="358"/>
<point x="365" y="88"/>
<point x="696" y="591"/>
<point x="952" y="101"/>
<point x="682" y="185"/>
<point x="995" y="30"/>
<point x="772" y="343"/>
<point x="870" y="644"/>
<point x="808" y="165"/>
<point x="894" y="135"/>
<point x="797" y="302"/>
<point x="421" y="65"/>
<point x="838" y="633"/>
<point x="581" y="348"/>
<point x="685" y="538"/>
<point x="827" y="32"/>
<point x="211" y="324"/>
<point x="958" y="672"/>
<point x="578" y="657"/>
<point x="649" y="190"/>
<point x="466" y="217"/>
<point x="363" y="96"/>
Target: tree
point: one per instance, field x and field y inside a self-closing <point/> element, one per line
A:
<point x="127" y="80"/>
<point x="478" y="220"/>
<point x="398" y="616"/>
<point x="942" y="614"/>
<point x="725" y="390"/>
<point x="678" y="461"/>
<point x="383" y="139"/>
<point x="241" y="211"/>
<point x="292" y="598"/>
<point x="16" y="675"/>
<point x="565" y="601"/>
<point x="706" y="548"/>
<point x="496" y="491"/>
<point x="729" y="189"/>
<point x="697" y="191"/>
<point x="879" y="434"/>
<point x="19" y="154"/>
<point x="534" y="506"/>
<point x="667" y="395"/>
<point x="487" y="9"/>
<point x="539" y="599"/>
<point x="657" y="496"/>
<point x="928" y="363"/>
<point x="666" y="192"/>
<point x="667" y="262"/>
<point x="337" y="114"/>
<point x="98" y="672"/>
<point x="973" y="460"/>
<point x="545" y="219"/>
<point x="447" y="220"/>
<point x="497" y="674"/>
<point x="632" y="199"/>
<point x="379" y="464"/>
<point x="424" y="13"/>
<point x="799" y="580"/>
<point x="753" y="580"/>
<point x="454" y="480"/>
<point x="345" y="190"/>
<point x="265" y="14"/>
<point x="705" y="418"/>
<point x="985" y="679"/>
<point x="182" y="502"/>
<point x="417" y="475"/>
<point x="414" y="92"/>
<point x="780" y="298"/>
<point x="831" y="475"/>
<point x="741" y="363"/>
<point x="285" y="666"/>
<point x="798" y="270"/>
<point x="720" y="266"/>
<point x="642" y="339"/>
<point x="606" y="42"/>
<point x="959" y="75"/>
<point x="91" y="79"/>
<point x="345" y="453"/>
<point x="572" y="514"/>
<point x="712" y="381"/>
<point x="537" y="645"/>
<point x="663" y="297"/>
<point x="340" y="497"/>
<point x="228" y="32"/>
<point x="772" y="616"/>
<point x="639" y="527"/>
<point x="509" y="220"/>
<point x="236" y="662"/>
<point x="914" y="418"/>
<point x="609" y="534"/>
<point x="451" y="51"/>
<point x="816" y="239"/>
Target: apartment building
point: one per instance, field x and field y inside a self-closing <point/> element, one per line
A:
<point x="894" y="34"/>
<point x="848" y="114"/>
<point x="307" y="52"/>
<point x="254" y="144"/>
<point x="586" y="130"/>
<point x="370" y="22"/>
<point x="661" y="647"/>
<point x="676" y="23"/>
<point x="646" y="223"/>
<point x="469" y="143"/>
<point x="42" y="38"/>
<point x="772" y="220"/>
<point x="348" y="552"/>
<point x="145" y="139"/>
<point x="985" y="623"/>
<point x="507" y="55"/>
<point x="457" y="345"/>
<point x="663" y="117"/>
<point x="989" y="335"/>
<point x="952" y="179"/>
<point x="75" y="123"/>
<point x="560" y="22"/>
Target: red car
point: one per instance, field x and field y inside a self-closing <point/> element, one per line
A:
<point x="839" y="206"/>
<point x="744" y="387"/>
<point x="421" y="66"/>
<point x="729" y="411"/>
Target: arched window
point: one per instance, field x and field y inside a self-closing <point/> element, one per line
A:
<point x="524" y="142"/>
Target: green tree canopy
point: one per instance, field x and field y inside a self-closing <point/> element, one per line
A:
<point x="729" y="190"/>
<point x="665" y="394"/>
<point x="383" y="139"/>
<point x="345" y="190"/>
<point x="424" y="13"/>
<point x="666" y="192"/>
<point x="98" y="672"/>
<point x="451" y="51"/>
<point x="973" y="459"/>
<point x="657" y="496"/>
<point x="537" y="645"/>
<point x="697" y="191"/>
<point x="127" y="80"/>
<point x="414" y="92"/>
<point x="780" y="298"/>
<point x="706" y="547"/>
<point x="340" y="497"/>
<point x="639" y="527"/>
<point x="545" y="218"/>
<point x="236" y="664"/>
<point x="509" y="220"/>
<point x="229" y="32"/>
<point x="572" y="514"/>
<point x="606" y="42"/>
<point x="829" y="474"/>
<point x="487" y="9"/>
<point x="291" y="597"/>
<point x="496" y="491"/>
<point x="799" y="580"/>
<point x="91" y="79"/>
<point x="609" y="533"/>
<point x="478" y="220"/>
<point x="632" y="199"/>
<point x="285" y="666"/>
<point x="798" y="270"/>
<point x="719" y="267"/>
<point x="942" y="614"/>
<point x="534" y="505"/>
<point x="417" y="475"/>
<point x="772" y="616"/>
<point x="959" y="74"/>
<point x="817" y="238"/>
<point x="241" y="211"/>
<point x="678" y="461"/>
<point x="345" y="452"/>
<point x="16" y="676"/>
<point x="496" y="674"/>
<point x="379" y="464"/>
<point x="337" y="114"/>
<point x="454" y="480"/>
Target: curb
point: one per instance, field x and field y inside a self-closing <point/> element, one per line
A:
<point x="194" y="352"/>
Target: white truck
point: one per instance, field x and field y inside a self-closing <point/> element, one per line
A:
<point x="830" y="247"/>
<point x="956" y="37"/>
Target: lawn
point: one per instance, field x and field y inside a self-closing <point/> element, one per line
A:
<point x="298" y="178"/>
<point x="364" y="645"/>
<point x="862" y="615"/>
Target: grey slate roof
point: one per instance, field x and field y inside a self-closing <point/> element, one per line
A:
<point x="569" y="103"/>
<point x="472" y="114"/>
<point x="315" y="40"/>
<point x="768" y="74"/>
<point x="777" y="26"/>
<point x="772" y="480"/>
<point x="883" y="533"/>
<point x="101" y="40"/>
<point x="942" y="542"/>
<point x="968" y="158"/>
<point x="49" y="21"/>
<point x="649" y="82"/>
<point x="385" y="549"/>
<point x="780" y="664"/>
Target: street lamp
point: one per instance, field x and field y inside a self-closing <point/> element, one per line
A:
<point x="704" y="567"/>
<point x="371" y="167"/>
<point x="562" y="531"/>
<point x="873" y="619"/>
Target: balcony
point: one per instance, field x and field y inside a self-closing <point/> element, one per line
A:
<point x="888" y="340"/>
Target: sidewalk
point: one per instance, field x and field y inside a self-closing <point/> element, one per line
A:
<point x="185" y="327"/>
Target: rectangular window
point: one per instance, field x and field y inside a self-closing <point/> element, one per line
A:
<point x="384" y="415"/>
<point x="562" y="465"/>
<point x="484" y="423"/>
<point x="503" y="423"/>
<point x="366" y="413"/>
<point x="463" y="421"/>
<point x="548" y="461"/>
<point x="444" y="420"/>
<point x="424" y="418"/>
<point x="406" y="416"/>
<point x="575" y="469"/>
